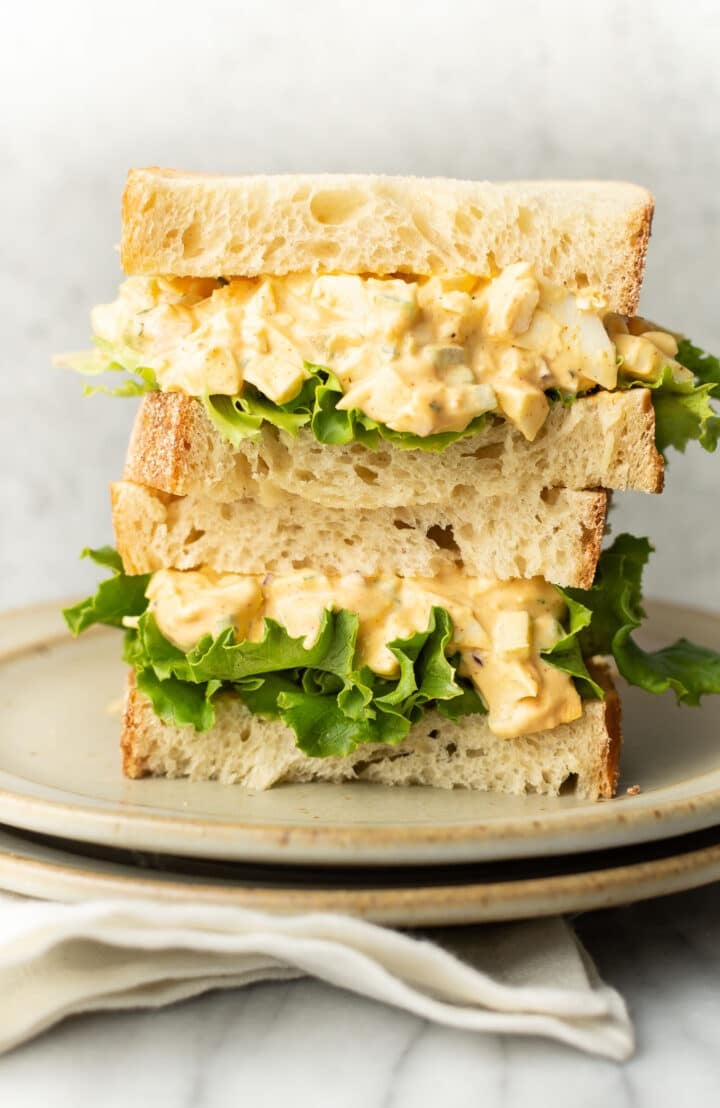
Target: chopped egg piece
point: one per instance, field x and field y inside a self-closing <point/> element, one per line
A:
<point x="513" y="634"/>
<point x="510" y="301"/>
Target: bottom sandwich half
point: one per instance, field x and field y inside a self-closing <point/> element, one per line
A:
<point x="453" y="680"/>
<point x="580" y="757"/>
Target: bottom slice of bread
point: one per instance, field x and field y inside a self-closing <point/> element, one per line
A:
<point x="242" y="748"/>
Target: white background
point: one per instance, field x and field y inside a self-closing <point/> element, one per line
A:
<point x="469" y="89"/>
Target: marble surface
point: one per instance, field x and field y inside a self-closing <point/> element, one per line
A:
<point x="303" y="1043"/>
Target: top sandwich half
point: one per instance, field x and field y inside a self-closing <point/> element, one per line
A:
<point x="392" y="320"/>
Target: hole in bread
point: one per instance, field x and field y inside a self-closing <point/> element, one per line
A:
<point x="277" y="244"/>
<point x="493" y="450"/>
<point x="299" y="563"/>
<point x="461" y="492"/>
<point x="550" y="496"/>
<point x="326" y="250"/>
<point x="193" y="535"/>
<point x="401" y="525"/>
<point x="336" y="206"/>
<point x="226" y="511"/>
<point x="407" y="236"/>
<point x="434" y="733"/>
<point x="569" y="785"/>
<point x="170" y="236"/>
<point x="369" y="476"/>
<point x="463" y="223"/>
<point x="303" y="475"/>
<point x="525" y="220"/>
<point x="451" y="748"/>
<point x="192" y="240"/>
<point x="444" y="537"/>
<point x="425" y="227"/>
<point x="582" y="280"/>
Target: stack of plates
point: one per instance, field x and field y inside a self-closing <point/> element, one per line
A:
<point x="73" y="827"/>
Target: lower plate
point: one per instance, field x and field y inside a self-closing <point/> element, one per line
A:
<point x="60" y="775"/>
<point x="436" y="896"/>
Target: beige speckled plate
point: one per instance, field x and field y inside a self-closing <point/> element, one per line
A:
<point x="60" y="775"/>
<point x="413" y="897"/>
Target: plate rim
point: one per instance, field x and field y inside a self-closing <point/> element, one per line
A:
<point x="414" y="906"/>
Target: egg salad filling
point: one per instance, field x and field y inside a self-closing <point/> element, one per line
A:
<point x="344" y="661"/>
<point x="422" y="356"/>
<point x="500" y="629"/>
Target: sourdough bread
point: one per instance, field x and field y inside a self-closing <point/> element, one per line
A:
<point x="242" y="748"/>
<point x="574" y="233"/>
<point x="606" y="440"/>
<point x="554" y="534"/>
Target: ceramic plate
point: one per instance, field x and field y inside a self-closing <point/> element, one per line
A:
<point x="60" y="775"/>
<point x="411" y="897"/>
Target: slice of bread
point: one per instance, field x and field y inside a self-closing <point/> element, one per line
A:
<point x="553" y="533"/>
<point x="574" y="233"/>
<point x="602" y="441"/>
<point x="242" y="748"/>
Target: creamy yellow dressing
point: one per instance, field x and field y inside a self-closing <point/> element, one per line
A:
<point x="499" y="627"/>
<point x="422" y="355"/>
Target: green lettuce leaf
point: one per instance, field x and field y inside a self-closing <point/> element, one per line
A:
<point x="318" y="690"/>
<point x="683" y="409"/>
<point x="108" y="357"/>
<point x="116" y="597"/>
<point x="567" y="654"/>
<point x="706" y="367"/>
<point x="333" y="705"/>
<point x="315" y="406"/>
<point x="179" y="702"/>
<point x="615" y="606"/>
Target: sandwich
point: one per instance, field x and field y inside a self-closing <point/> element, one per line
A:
<point x="359" y="532"/>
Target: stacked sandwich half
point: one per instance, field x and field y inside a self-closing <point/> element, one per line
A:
<point x="359" y="530"/>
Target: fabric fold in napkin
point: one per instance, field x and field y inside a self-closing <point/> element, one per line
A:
<point x="529" y="978"/>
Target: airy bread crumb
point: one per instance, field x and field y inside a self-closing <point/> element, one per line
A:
<point x="556" y="535"/>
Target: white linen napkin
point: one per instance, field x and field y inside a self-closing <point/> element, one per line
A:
<point x="529" y="978"/>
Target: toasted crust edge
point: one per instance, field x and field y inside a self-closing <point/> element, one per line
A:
<point x="610" y="767"/>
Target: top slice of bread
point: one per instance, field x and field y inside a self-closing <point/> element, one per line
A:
<point x="577" y="234"/>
